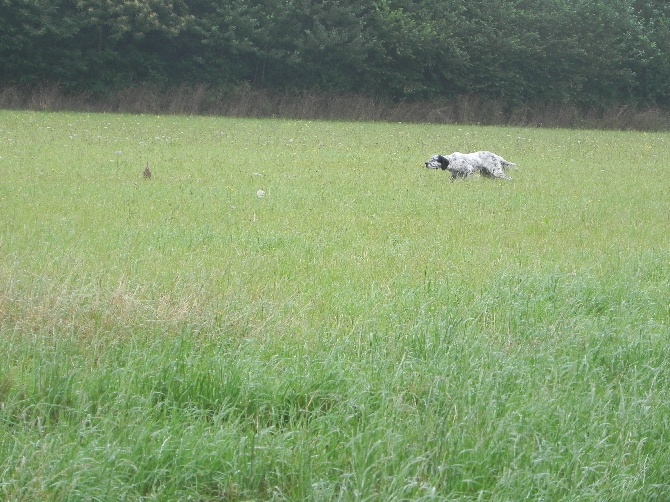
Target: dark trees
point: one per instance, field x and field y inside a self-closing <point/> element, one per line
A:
<point x="582" y="52"/>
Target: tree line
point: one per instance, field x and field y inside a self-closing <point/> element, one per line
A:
<point x="587" y="53"/>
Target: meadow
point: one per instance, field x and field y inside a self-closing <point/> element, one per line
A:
<point x="362" y="329"/>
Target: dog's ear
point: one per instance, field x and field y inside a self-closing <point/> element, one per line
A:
<point x="444" y="162"/>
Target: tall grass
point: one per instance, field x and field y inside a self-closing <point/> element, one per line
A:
<point x="367" y="330"/>
<point x="245" y="101"/>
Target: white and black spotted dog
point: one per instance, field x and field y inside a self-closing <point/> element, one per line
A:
<point x="462" y="165"/>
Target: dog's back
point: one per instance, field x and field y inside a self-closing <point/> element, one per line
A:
<point x="486" y="157"/>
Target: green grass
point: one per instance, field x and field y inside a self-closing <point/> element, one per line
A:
<point x="368" y="330"/>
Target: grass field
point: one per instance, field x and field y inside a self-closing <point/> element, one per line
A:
<point x="366" y="330"/>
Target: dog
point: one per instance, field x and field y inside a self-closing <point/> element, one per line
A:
<point x="463" y="165"/>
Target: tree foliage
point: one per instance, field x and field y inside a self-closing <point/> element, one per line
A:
<point x="583" y="52"/>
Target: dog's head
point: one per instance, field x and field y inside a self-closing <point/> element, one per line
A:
<point x="437" y="162"/>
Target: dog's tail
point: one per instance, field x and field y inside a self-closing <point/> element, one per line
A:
<point x="506" y="163"/>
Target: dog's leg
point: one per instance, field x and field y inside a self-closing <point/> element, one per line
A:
<point x="497" y="170"/>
